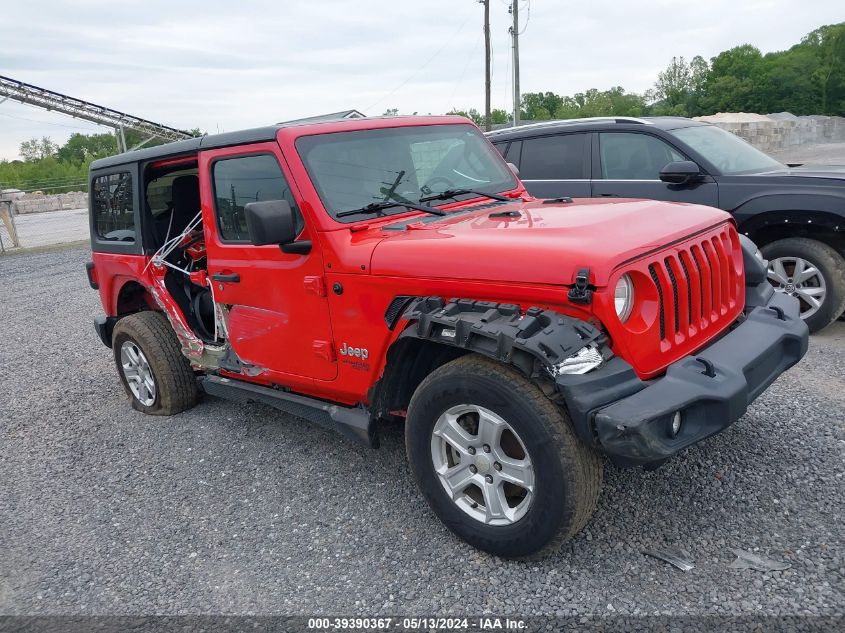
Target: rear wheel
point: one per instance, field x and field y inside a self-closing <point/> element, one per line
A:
<point x="497" y="461"/>
<point x="156" y="376"/>
<point x="812" y="272"/>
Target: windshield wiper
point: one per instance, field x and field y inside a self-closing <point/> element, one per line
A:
<point x="379" y="207"/>
<point x="451" y="193"/>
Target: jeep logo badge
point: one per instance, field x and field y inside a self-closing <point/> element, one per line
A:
<point x="355" y="352"/>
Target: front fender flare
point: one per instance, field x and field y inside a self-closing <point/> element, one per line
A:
<point x="532" y="341"/>
<point x="821" y="210"/>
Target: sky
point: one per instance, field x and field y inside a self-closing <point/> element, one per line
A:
<point x="220" y="65"/>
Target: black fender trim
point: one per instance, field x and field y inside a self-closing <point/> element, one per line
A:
<point x="104" y="325"/>
<point x="539" y="338"/>
<point x="532" y="342"/>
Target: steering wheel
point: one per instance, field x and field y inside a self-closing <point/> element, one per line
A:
<point x="449" y="183"/>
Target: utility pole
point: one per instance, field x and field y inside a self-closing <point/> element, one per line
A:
<point x="517" y="98"/>
<point x="487" y="119"/>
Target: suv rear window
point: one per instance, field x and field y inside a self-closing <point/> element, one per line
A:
<point x="113" y="207"/>
<point x="552" y="157"/>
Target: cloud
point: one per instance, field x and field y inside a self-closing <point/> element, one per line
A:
<point x="232" y="65"/>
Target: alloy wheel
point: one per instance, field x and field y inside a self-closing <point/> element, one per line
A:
<point x="138" y="374"/>
<point x="801" y="279"/>
<point x="482" y="464"/>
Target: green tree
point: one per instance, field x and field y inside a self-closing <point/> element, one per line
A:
<point x="82" y="146"/>
<point x="37" y="149"/>
<point x="472" y="114"/>
<point x="828" y="45"/>
<point x="539" y="106"/>
<point x="499" y="116"/>
<point x="679" y="88"/>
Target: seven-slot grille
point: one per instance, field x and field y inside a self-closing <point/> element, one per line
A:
<point x="698" y="284"/>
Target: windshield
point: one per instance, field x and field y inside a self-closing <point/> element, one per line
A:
<point x="351" y="170"/>
<point x="728" y="153"/>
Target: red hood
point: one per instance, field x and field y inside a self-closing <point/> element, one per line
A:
<point x="547" y="244"/>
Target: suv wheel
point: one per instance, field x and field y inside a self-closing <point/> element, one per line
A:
<point x="811" y="271"/>
<point x="156" y="376"/>
<point x="497" y="461"/>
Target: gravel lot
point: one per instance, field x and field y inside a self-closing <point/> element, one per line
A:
<point x="241" y="509"/>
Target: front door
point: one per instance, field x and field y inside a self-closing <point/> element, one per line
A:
<point x="278" y="311"/>
<point x="628" y="164"/>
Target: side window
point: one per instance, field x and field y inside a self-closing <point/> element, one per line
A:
<point x="633" y="156"/>
<point x="513" y="153"/>
<point x="553" y="157"/>
<point x="113" y="207"/>
<point x="244" y="179"/>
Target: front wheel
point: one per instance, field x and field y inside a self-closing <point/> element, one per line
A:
<point x="497" y="461"/>
<point x="812" y="272"/>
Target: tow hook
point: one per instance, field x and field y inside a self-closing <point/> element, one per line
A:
<point x="580" y="293"/>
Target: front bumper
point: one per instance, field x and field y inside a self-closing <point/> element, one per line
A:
<point x="630" y="419"/>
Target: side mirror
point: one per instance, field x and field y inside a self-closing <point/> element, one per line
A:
<point x="680" y="172"/>
<point x="514" y="169"/>
<point x="273" y="222"/>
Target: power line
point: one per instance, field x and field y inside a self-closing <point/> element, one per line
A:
<point x="427" y="62"/>
<point x="470" y="59"/>
<point x="65" y="125"/>
<point x="527" y="17"/>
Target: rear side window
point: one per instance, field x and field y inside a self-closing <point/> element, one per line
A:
<point x="113" y="206"/>
<point x="244" y="179"/>
<point x="552" y="157"/>
<point x="632" y="156"/>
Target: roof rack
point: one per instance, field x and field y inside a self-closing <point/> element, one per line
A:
<point x="595" y="119"/>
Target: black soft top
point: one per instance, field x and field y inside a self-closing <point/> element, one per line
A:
<point x="190" y="146"/>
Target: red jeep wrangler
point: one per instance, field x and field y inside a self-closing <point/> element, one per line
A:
<point x="352" y="272"/>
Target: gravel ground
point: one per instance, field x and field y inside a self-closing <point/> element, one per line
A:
<point x="242" y="510"/>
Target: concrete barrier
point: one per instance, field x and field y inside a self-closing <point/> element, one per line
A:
<point x="780" y="131"/>
<point x="38" y="203"/>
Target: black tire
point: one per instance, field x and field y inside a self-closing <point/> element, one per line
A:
<point x="175" y="382"/>
<point x="831" y="266"/>
<point x="567" y="474"/>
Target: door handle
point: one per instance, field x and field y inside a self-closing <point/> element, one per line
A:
<point x="609" y="195"/>
<point x="232" y="278"/>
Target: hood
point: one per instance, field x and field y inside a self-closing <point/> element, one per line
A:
<point x="833" y="172"/>
<point x="544" y="244"/>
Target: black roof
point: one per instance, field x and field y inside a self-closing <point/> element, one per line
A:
<point x="540" y="128"/>
<point x="190" y="146"/>
<point x="213" y="141"/>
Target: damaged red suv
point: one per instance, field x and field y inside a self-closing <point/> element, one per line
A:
<point x="356" y="272"/>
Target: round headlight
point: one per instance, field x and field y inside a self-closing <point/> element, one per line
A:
<point x="624" y="297"/>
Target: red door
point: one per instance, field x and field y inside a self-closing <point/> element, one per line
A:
<point x="278" y="311"/>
